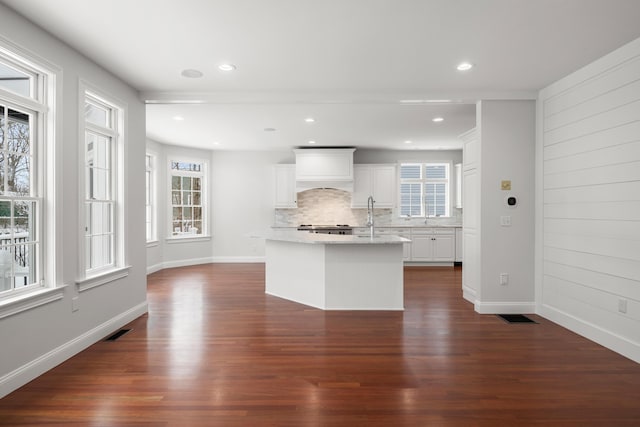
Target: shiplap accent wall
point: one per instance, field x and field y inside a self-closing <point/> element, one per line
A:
<point x="588" y="164"/>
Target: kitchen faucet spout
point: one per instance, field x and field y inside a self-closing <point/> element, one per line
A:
<point x="370" y="203"/>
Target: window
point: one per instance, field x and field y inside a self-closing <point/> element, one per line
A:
<point x="150" y="208"/>
<point x="25" y="146"/>
<point x="102" y="137"/>
<point x="187" y="199"/>
<point x="424" y="189"/>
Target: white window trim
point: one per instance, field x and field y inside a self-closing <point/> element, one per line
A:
<point x="204" y="199"/>
<point x="88" y="280"/>
<point x="154" y="199"/>
<point x="46" y="104"/>
<point x="450" y="185"/>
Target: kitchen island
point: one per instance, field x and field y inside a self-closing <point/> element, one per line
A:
<point x="335" y="272"/>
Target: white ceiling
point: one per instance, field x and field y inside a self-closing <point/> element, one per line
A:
<point x="348" y="63"/>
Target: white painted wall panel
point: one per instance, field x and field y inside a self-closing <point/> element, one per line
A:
<point x="588" y="239"/>
<point x="610" y="97"/>
<point x="595" y="193"/>
<point x="593" y="159"/>
<point x="593" y="227"/>
<point x="581" y="91"/>
<point x="614" y="117"/>
<point x="623" y="134"/>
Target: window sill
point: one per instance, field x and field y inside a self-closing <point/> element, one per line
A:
<point x="31" y="300"/>
<point x="102" y="278"/>
<point x="152" y="243"/>
<point x="187" y="239"/>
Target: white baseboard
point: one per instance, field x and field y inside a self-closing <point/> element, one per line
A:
<point x="153" y="268"/>
<point x="239" y="259"/>
<point x="469" y="294"/>
<point x="613" y="342"/>
<point x="208" y="260"/>
<point x="507" y="307"/>
<point x="33" y="369"/>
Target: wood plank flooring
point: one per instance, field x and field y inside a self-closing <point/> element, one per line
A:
<point x="214" y="350"/>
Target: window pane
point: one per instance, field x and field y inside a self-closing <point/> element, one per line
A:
<point x="175" y="198"/>
<point x="19" y="132"/>
<point x="18" y="174"/>
<point x="24" y="220"/>
<point x="186" y="183"/>
<point x="175" y="182"/>
<point x="186" y="166"/>
<point x="196" y="198"/>
<point x="5" y="217"/>
<point x="103" y="152"/>
<point x="15" y="81"/>
<point x="97" y="115"/>
<point x="196" y="184"/>
<point x="436" y="172"/>
<point x="410" y="171"/>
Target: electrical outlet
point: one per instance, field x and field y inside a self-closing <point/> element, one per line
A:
<point x="75" y="301"/>
<point x="622" y="305"/>
<point x="504" y="279"/>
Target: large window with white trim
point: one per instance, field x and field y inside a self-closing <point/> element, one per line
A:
<point x="424" y="189"/>
<point x="23" y="128"/>
<point x="102" y="137"/>
<point x="187" y="199"/>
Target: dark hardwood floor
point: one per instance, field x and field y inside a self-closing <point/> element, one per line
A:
<point x="214" y="350"/>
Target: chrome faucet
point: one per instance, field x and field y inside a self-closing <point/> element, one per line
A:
<point x="426" y="210"/>
<point x="370" y="203"/>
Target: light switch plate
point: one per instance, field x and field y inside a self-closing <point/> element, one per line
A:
<point x="505" y="221"/>
<point x="505" y="185"/>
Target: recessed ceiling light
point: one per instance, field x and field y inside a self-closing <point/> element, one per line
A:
<point x="216" y="143"/>
<point x="226" y="67"/>
<point x="311" y="142"/>
<point x="437" y="119"/>
<point x="178" y="118"/>
<point x="192" y="74"/>
<point x="464" y="66"/>
<point x="309" y="120"/>
<point x="269" y="129"/>
<point x="407" y="142"/>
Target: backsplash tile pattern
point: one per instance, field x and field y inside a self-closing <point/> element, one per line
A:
<point x="328" y="206"/>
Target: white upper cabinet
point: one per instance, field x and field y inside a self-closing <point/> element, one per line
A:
<point x="470" y="150"/>
<point x="285" y="186"/>
<point x="458" y="168"/>
<point x="378" y="181"/>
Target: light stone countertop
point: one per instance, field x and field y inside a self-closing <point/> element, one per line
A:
<point x="295" y="236"/>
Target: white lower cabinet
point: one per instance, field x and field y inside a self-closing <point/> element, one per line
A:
<point x="433" y="245"/>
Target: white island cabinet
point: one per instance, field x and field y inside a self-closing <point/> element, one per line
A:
<point x="335" y="272"/>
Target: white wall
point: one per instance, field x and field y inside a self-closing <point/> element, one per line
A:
<point x="507" y="144"/>
<point x="588" y="216"/>
<point x="33" y="341"/>
<point x="240" y="194"/>
<point x="241" y="201"/>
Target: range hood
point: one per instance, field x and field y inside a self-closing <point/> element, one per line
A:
<point x="324" y="168"/>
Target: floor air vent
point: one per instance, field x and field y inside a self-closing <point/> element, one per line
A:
<point x="515" y="318"/>
<point x="117" y="335"/>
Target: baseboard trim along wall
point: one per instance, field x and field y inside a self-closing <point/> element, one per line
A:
<point x="608" y="339"/>
<point x="208" y="260"/>
<point x="31" y="370"/>
<point x="505" y="307"/>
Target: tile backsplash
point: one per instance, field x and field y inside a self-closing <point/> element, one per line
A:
<point x="328" y="206"/>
